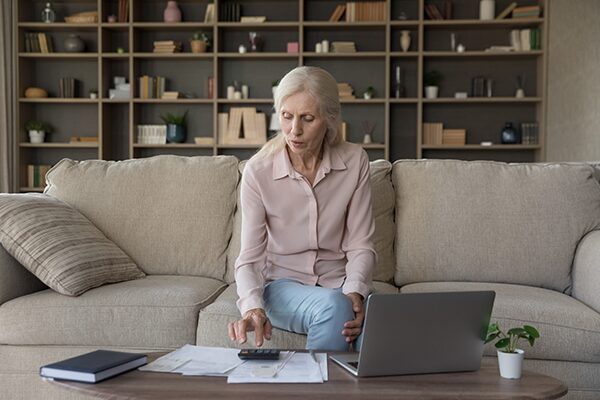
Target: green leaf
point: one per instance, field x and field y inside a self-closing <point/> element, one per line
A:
<point x="493" y="328"/>
<point x="503" y="343"/>
<point x="532" y="331"/>
<point x="491" y="336"/>
<point x="531" y="340"/>
<point x="517" y="331"/>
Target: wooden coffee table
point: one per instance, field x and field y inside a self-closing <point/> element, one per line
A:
<point x="483" y="384"/>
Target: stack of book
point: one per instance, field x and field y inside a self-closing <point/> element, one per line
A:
<point x="242" y="125"/>
<point x="151" y="134"/>
<point x="343" y="47"/>
<point x="36" y="175"/>
<point x="170" y="95"/>
<point x="123" y="11"/>
<point x="364" y="11"/>
<point x="529" y="133"/>
<point x="454" y="136"/>
<point x="433" y="133"/>
<point x="345" y="91"/>
<point x="229" y="12"/>
<point x="38" y="43"/>
<point x="525" y="39"/>
<point x="67" y="88"/>
<point x="166" y="46"/>
<point x="152" y="87"/>
<point x="527" y="12"/>
<point x="83" y="139"/>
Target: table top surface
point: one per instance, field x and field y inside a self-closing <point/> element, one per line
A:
<point x="485" y="383"/>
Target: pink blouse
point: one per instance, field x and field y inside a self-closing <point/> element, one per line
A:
<point x="319" y="234"/>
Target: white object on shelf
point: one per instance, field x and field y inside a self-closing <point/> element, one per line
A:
<point x="237" y="95"/>
<point x="230" y="92"/>
<point x="325" y="46"/>
<point x="319" y="48"/>
<point x="244" y="91"/>
<point x="242" y="49"/>
<point x="431" y="92"/>
<point x="37" y="136"/>
<point x="487" y="9"/>
<point x="461" y="48"/>
<point x="461" y="95"/>
<point x="486" y="143"/>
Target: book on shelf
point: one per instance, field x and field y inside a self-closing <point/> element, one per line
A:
<point x="209" y="16"/>
<point x="170" y="95"/>
<point x="67" y="88"/>
<point x="433" y="133"/>
<point x="123" y="15"/>
<point x="83" y="139"/>
<point x="242" y="125"/>
<point x="151" y="87"/>
<point x="38" y="43"/>
<point x="343" y="47"/>
<point x="364" y="11"/>
<point x="506" y="12"/>
<point x="338" y="13"/>
<point x="527" y="12"/>
<point x="253" y="20"/>
<point x="94" y="367"/>
<point x="229" y="12"/>
<point x="433" y="12"/>
<point x="36" y="175"/>
<point x="529" y="133"/>
<point x="525" y="39"/>
<point x="454" y="136"/>
<point x="167" y="46"/>
<point x="345" y="91"/>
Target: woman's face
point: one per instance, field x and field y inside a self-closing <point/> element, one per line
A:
<point x="301" y="123"/>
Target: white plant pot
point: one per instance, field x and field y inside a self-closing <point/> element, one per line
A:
<point x="511" y="364"/>
<point x="431" y="92"/>
<point x="37" y="136"/>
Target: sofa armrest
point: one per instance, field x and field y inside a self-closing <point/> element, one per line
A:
<point x="15" y="280"/>
<point x="586" y="270"/>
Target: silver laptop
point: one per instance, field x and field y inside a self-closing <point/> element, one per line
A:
<point x="419" y="333"/>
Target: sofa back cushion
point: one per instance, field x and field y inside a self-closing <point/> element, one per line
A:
<point x="383" y="214"/>
<point x="491" y="221"/>
<point x="172" y="215"/>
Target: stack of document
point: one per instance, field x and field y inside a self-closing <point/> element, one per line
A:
<point x="291" y="367"/>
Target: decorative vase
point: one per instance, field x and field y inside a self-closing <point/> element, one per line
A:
<point x="175" y="133"/>
<point x="198" y="46"/>
<point x="256" y="41"/>
<point x="37" y="136"/>
<point x="431" y="92"/>
<point x="405" y="40"/>
<point x="48" y="14"/>
<point x="486" y="9"/>
<point x="511" y="364"/>
<point x="520" y="93"/>
<point x="509" y="134"/>
<point x="172" y="12"/>
<point x="74" y="44"/>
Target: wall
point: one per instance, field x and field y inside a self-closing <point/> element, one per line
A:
<point x="573" y="113"/>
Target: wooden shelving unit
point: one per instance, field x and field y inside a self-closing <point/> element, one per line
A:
<point x="398" y="131"/>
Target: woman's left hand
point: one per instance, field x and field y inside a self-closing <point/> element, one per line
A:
<point x="353" y="328"/>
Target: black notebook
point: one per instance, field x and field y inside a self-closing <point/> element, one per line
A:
<point x="93" y="367"/>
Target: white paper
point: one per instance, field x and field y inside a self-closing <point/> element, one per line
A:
<point x="197" y="360"/>
<point x="294" y="368"/>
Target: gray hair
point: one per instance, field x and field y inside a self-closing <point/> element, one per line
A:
<point x="319" y="84"/>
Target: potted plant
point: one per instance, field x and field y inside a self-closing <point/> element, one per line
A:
<point x="520" y="82"/>
<point x="510" y="358"/>
<point x="369" y="93"/>
<point x="37" y="131"/>
<point x="432" y="82"/>
<point x="175" y="127"/>
<point x="93" y="93"/>
<point x="200" y="42"/>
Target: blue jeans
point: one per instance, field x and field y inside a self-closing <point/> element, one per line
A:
<point x="315" y="311"/>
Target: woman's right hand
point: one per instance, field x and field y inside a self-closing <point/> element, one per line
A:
<point x="253" y="320"/>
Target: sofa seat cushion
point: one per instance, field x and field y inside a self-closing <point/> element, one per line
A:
<point x="569" y="330"/>
<point x="484" y="221"/>
<point x="153" y="312"/>
<point x="213" y="320"/>
<point x="172" y="215"/>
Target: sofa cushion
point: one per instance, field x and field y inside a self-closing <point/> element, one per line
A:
<point x="59" y="245"/>
<point x="383" y="214"/>
<point x="173" y="215"/>
<point x="487" y="221"/>
<point x="154" y="312"/>
<point x="213" y="320"/>
<point x="569" y="330"/>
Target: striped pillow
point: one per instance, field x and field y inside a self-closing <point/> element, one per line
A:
<point x="59" y="245"/>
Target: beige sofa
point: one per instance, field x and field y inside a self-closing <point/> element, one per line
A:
<point x="528" y="231"/>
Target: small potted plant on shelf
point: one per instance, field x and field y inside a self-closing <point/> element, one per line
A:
<point x="369" y="93"/>
<point x="93" y="93"/>
<point x="175" y="127"/>
<point x="510" y="358"/>
<point x="37" y="131"/>
<point x="432" y="80"/>
<point x="200" y="42"/>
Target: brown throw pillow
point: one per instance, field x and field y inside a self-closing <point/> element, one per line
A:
<point x="59" y="245"/>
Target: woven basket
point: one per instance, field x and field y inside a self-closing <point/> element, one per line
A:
<point x="83" y="17"/>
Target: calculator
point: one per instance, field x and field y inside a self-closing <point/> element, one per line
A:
<point x="259" y="354"/>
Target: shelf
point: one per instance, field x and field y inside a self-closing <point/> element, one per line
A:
<point x="116" y="55"/>
<point x="245" y="101"/>
<point x="57" y="26"/>
<point x="78" y="56"/>
<point x="116" y="101"/>
<point x="257" y="25"/>
<point x="59" y="100"/>
<point x="32" y="189"/>
<point x="363" y="101"/>
<point x="173" y="146"/>
<point x="482" y="53"/>
<point x="257" y="55"/>
<point x="118" y="26"/>
<point x="408" y="23"/>
<point x="173" y="55"/>
<point x="476" y="23"/>
<point x="480" y="147"/>
<point x="178" y="101"/>
<point x="344" y="25"/>
<point x="60" y="145"/>
<point x="414" y="54"/>
<point x="405" y="100"/>
<point x="358" y="54"/>
<point x="172" y="26"/>
<point x="479" y="100"/>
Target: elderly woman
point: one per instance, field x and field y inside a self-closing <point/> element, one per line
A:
<point x="306" y="258"/>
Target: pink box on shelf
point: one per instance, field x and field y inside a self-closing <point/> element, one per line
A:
<point x="292" y="47"/>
